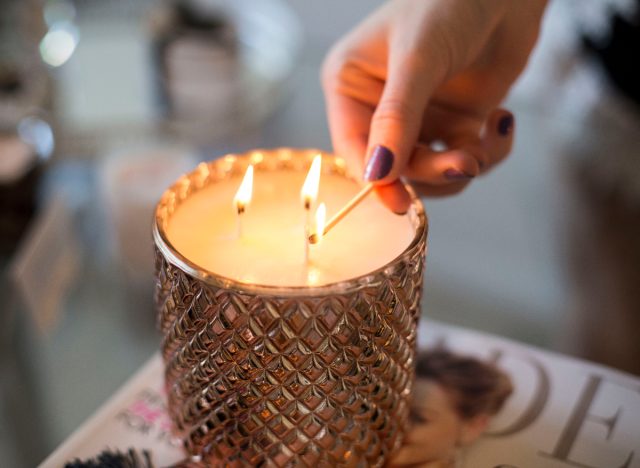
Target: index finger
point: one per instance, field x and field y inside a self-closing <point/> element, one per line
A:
<point x="349" y="127"/>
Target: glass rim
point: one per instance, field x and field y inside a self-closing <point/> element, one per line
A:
<point x="174" y="257"/>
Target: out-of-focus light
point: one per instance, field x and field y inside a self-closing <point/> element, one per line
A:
<point x="58" y="44"/>
<point x="38" y="134"/>
<point x="58" y="11"/>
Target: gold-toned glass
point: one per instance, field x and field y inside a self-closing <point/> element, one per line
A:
<point x="260" y="375"/>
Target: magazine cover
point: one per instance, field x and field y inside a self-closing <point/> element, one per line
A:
<point x="479" y="401"/>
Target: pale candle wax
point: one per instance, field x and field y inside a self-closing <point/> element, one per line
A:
<point x="271" y="250"/>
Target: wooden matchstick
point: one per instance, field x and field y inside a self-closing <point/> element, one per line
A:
<point x="344" y="211"/>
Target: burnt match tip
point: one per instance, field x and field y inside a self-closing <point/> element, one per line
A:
<point x="313" y="238"/>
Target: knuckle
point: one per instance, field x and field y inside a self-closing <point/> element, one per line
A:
<point x="335" y="67"/>
<point x="435" y="191"/>
<point x="414" y="63"/>
<point x="394" y="111"/>
<point x="445" y="49"/>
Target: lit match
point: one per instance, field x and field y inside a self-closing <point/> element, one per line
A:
<point x="315" y="237"/>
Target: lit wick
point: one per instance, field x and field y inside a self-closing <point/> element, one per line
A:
<point x="243" y="197"/>
<point x="315" y="237"/>
<point x="308" y="196"/>
<point x="309" y="191"/>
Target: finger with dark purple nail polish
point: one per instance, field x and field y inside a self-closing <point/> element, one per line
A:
<point x="505" y="125"/>
<point x="456" y="174"/>
<point x="379" y="164"/>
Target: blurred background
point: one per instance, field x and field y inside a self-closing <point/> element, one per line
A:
<point x="104" y="102"/>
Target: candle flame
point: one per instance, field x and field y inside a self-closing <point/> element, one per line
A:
<point x="321" y="217"/>
<point x="309" y="191"/>
<point x="243" y="195"/>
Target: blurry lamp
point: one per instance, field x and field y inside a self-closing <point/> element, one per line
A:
<point x="56" y="12"/>
<point x="58" y="45"/>
<point x="38" y="134"/>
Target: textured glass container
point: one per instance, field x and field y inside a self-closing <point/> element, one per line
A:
<point x="286" y="376"/>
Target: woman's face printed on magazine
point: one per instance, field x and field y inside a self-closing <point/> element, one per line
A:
<point x="454" y="397"/>
<point x="435" y="428"/>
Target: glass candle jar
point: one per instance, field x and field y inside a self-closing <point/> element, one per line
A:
<point x="286" y="375"/>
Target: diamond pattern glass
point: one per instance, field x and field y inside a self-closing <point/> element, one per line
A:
<point x="272" y="376"/>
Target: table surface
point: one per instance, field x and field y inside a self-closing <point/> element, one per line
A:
<point x="499" y="260"/>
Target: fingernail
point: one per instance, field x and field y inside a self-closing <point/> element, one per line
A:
<point x="456" y="174"/>
<point x="505" y="125"/>
<point x="379" y="165"/>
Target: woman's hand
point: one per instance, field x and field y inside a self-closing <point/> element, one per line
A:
<point x="416" y="72"/>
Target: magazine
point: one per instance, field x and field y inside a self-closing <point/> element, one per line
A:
<point x="480" y="401"/>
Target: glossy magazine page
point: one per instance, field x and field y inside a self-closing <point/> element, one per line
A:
<point x="479" y="401"/>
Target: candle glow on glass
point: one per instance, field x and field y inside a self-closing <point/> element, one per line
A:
<point x="309" y="191"/>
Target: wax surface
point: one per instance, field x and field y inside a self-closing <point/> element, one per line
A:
<point x="271" y="250"/>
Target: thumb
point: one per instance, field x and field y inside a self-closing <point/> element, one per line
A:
<point x="396" y="122"/>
